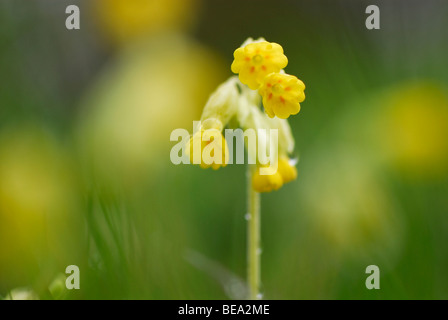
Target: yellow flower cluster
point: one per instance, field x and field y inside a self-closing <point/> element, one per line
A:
<point x="259" y="65"/>
<point x="286" y="172"/>
<point x="236" y="103"/>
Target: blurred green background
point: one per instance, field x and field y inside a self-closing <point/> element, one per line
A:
<point x="86" y="178"/>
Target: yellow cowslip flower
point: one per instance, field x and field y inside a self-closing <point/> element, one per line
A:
<point x="208" y="148"/>
<point x="267" y="182"/>
<point x="256" y="60"/>
<point x="282" y="95"/>
<point x="287" y="169"/>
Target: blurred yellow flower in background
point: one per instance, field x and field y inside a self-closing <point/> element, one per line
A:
<point x="37" y="202"/>
<point x="127" y="20"/>
<point x="151" y="89"/>
<point x="414" y="129"/>
<point x="349" y="206"/>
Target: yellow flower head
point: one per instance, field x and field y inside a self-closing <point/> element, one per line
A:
<point x="256" y="60"/>
<point x="208" y="148"/>
<point x="287" y="169"/>
<point x="268" y="182"/>
<point x="282" y="95"/>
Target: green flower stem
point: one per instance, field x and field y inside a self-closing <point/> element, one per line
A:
<point x="253" y="238"/>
